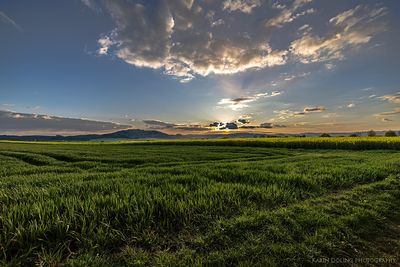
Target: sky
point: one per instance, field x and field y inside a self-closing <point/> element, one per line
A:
<point x="199" y="66"/>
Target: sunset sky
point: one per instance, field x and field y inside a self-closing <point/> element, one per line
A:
<point x="286" y="66"/>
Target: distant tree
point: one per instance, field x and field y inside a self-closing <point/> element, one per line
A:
<point x="371" y="133"/>
<point x="325" y="135"/>
<point x="390" y="133"/>
<point x="354" y="135"/>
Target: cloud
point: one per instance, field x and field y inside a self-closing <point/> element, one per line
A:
<point x="243" y="121"/>
<point x="23" y="122"/>
<point x="288" y="15"/>
<point x="267" y="125"/>
<point x="392" y="98"/>
<point x="245" y="6"/>
<point x="231" y="126"/>
<point x="242" y="102"/>
<point x="191" y="127"/>
<point x="330" y="115"/>
<point x="89" y="3"/>
<point x="314" y="109"/>
<point x="389" y="113"/>
<point x="156" y="124"/>
<point x="184" y="40"/>
<point x="349" y="29"/>
<point x="161" y="125"/>
<point x="105" y="43"/>
<point x="249" y="127"/>
<point x="287" y="114"/>
<point x="218" y="22"/>
<point x="179" y="38"/>
<point x="6" y="19"/>
<point x="351" y="105"/>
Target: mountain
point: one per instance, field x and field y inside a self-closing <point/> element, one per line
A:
<point x="136" y="134"/>
<point x="125" y="134"/>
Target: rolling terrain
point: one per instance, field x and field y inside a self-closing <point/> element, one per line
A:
<point x="194" y="203"/>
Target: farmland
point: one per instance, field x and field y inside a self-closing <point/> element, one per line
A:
<point x="260" y="202"/>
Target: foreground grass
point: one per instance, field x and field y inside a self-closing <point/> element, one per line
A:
<point x="188" y="205"/>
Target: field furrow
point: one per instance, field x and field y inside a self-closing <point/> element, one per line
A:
<point x="164" y="205"/>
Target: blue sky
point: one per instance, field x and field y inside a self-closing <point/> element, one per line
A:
<point x="177" y="66"/>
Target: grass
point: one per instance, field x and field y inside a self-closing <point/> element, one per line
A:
<point x="347" y="143"/>
<point x="196" y="203"/>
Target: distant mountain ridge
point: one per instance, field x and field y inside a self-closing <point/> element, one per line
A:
<point x="137" y="134"/>
<point x="125" y="134"/>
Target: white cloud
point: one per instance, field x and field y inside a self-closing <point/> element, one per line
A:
<point x="16" y="116"/>
<point x="8" y="20"/>
<point x="218" y="22"/>
<point x="89" y="3"/>
<point x="182" y="39"/>
<point x="288" y="15"/>
<point x="330" y="115"/>
<point x="245" y="6"/>
<point x="47" y="117"/>
<point x="389" y="113"/>
<point x="351" y="105"/>
<point x="386" y="120"/>
<point x="105" y="43"/>
<point x="349" y="29"/>
<point x="395" y="98"/>
<point x="242" y="102"/>
<point x="287" y="113"/>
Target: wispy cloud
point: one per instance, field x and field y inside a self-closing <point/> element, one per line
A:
<point x="242" y="102"/>
<point x="349" y="29"/>
<point x="351" y="105"/>
<point x="161" y="125"/>
<point x="314" y="109"/>
<point x="288" y="14"/>
<point x="386" y="120"/>
<point x="181" y="38"/>
<point x="395" y="98"/>
<point x="8" y="20"/>
<point x="156" y="124"/>
<point x="389" y="113"/>
<point x="245" y="6"/>
<point x="287" y="113"/>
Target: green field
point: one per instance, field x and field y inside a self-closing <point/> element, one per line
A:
<point x="253" y="202"/>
